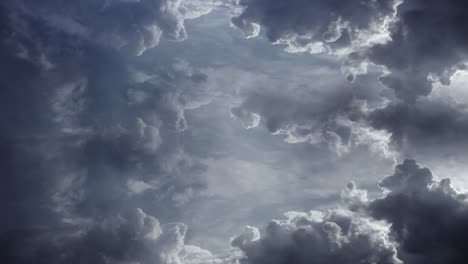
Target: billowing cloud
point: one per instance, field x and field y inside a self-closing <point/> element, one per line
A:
<point x="313" y="26"/>
<point x="331" y="112"/>
<point x="416" y="41"/>
<point x="334" y="237"/>
<point x="428" y="39"/>
<point x="85" y="125"/>
<point x="89" y="131"/>
<point x="427" y="217"/>
<point x="424" y="221"/>
<point x="422" y="43"/>
<point x="134" y="237"/>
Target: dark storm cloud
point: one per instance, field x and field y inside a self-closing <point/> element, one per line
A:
<point x="428" y="37"/>
<point x="428" y="218"/>
<point x="318" y="116"/>
<point x="300" y="23"/>
<point x="87" y="132"/>
<point x="426" y="44"/>
<point x="133" y="26"/>
<point x="427" y="222"/>
<point x="134" y="237"/>
<point x="336" y="237"/>
<point x="425" y="122"/>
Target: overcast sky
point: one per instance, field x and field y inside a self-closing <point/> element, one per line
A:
<point x="233" y="131"/>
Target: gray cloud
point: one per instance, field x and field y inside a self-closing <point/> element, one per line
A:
<point x="422" y="43"/>
<point x="424" y="221"/>
<point x="82" y="120"/>
<point x="134" y="237"/>
<point x="132" y="26"/>
<point x="89" y="132"/>
<point x="331" y="112"/>
<point x="425" y="38"/>
<point x="313" y="26"/>
<point x="435" y="122"/>
<point x="427" y="217"/>
<point x="428" y="37"/>
<point x="332" y="237"/>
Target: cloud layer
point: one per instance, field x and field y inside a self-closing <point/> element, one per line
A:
<point x="85" y="126"/>
<point x="131" y="238"/>
<point x="132" y="26"/>
<point x="99" y="131"/>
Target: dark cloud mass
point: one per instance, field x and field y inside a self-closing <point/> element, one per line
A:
<point x="336" y="237"/>
<point x="311" y="25"/>
<point x="87" y="132"/>
<point x="133" y="238"/>
<point x="114" y="126"/>
<point x="426" y="44"/>
<point x="133" y="26"/>
<point x="427" y="224"/>
<point x="426" y="122"/>
<point x="427" y="217"/>
<point x="429" y="37"/>
<point x="425" y="37"/>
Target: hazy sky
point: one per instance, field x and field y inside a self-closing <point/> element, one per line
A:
<point x="174" y="131"/>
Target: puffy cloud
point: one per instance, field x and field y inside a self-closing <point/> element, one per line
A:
<point x="313" y="26"/>
<point x="330" y="113"/>
<point x="334" y="237"/>
<point x="427" y="217"/>
<point x="416" y="41"/>
<point x="428" y="38"/>
<point x="415" y="57"/>
<point x="418" y="219"/>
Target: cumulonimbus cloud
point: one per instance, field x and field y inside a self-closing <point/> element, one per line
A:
<point x="417" y="43"/>
<point x="418" y="39"/>
<point x="81" y="123"/>
<point x="417" y="220"/>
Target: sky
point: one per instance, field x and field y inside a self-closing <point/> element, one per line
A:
<point x="233" y="131"/>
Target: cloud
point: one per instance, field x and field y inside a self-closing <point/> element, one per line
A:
<point x="423" y="44"/>
<point x="249" y="120"/>
<point x="134" y="237"/>
<point x="132" y="26"/>
<point x="417" y="42"/>
<point x="427" y="121"/>
<point x="427" y="217"/>
<point x="428" y="38"/>
<point x="312" y="26"/>
<point x="418" y="219"/>
<point x="332" y="237"/>
<point x="169" y="93"/>
<point x="88" y="130"/>
<point x="330" y="113"/>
